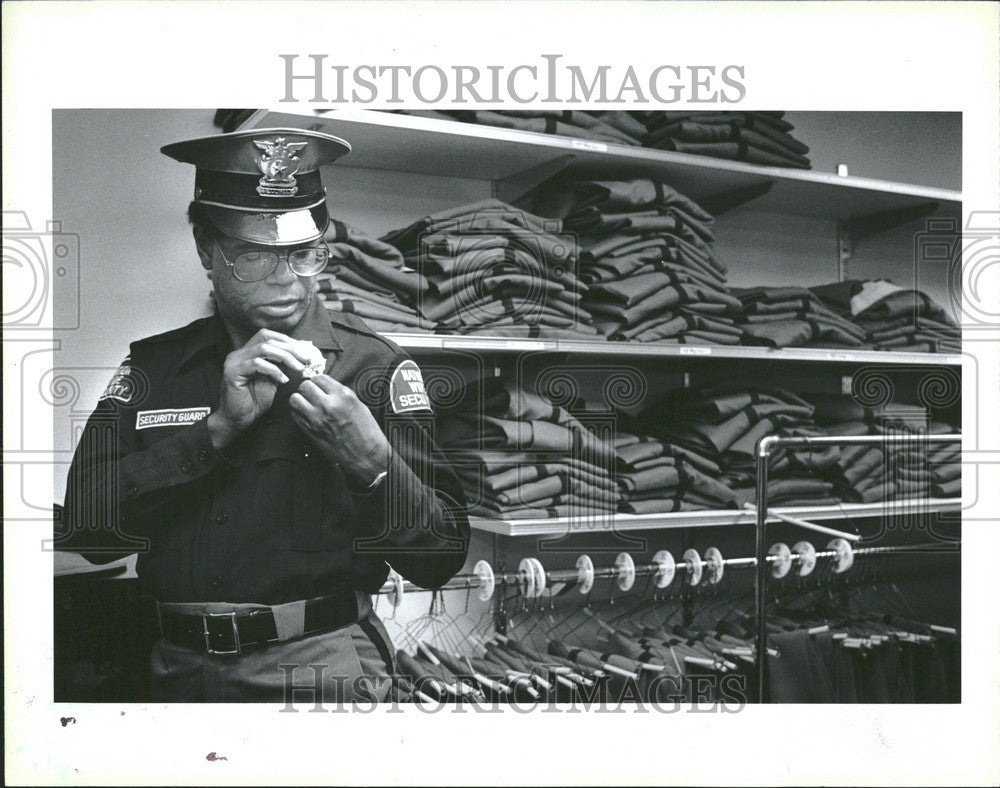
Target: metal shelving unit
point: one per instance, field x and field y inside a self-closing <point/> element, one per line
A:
<point x="562" y="526"/>
<point x="516" y="161"/>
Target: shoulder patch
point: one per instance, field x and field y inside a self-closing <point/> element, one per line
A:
<point x="406" y="389"/>
<point x="121" y="387"/>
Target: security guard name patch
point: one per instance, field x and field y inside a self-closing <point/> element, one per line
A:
<point x="169" y="418"/>
<point x="406" y="389"/>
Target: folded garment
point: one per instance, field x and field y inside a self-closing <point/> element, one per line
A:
<point x="547" y="512"/>
<point x="489" y="265"/>
<point x="595" y="130"/>
<point x="905" y="302"/>
<point x="661" y="300"/>
<point x="384" y="327"/>
<point x="951" y="488"/>
<point x="527" y="331"/>
<point x="717" y="438"/>
<point x="632" y="450"/>
<point x="946" y="472"/>
<point x="658" y="506"/>
<point x="670" y="248"/>
<point x="331" y="281"/>
<point x="369" y="309"/>
<point x="773" y="141"/>
<point x="663" y="477"/>
<point x="892" y="317"/>
<point x="799" y="333"/>
<point x="475" y="219"/>
<point x="736" y="151"/>
<point x="555" y="486"/>
<point x="523" y="474"/>
<point x="791" y="492"/>
<point x="881" y="491"/>
<point x="488" y="432"/>
<point x="566" y="195"/>
<point x="372" y="259"/>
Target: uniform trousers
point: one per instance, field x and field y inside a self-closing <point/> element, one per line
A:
<point x="353" y="663"/>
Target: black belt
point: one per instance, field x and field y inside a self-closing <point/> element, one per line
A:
<point x="231" y="633"/>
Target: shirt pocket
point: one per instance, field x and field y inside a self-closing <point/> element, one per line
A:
<point x="293" y="494"/>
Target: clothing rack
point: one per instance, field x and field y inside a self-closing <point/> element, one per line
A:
<point x="765" y="450"/>
<point x="532" y="579"/>
<point x="780" y="559"/>
<point x="532" y="583"/>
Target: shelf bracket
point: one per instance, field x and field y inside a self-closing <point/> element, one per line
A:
<point x="851" y="232"/>
<point x="717" y="204"/>
<point x="512" y="188"/>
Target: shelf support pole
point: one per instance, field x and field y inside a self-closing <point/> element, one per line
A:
<point x="850" y="232"/>
<point x="844" y="249"/>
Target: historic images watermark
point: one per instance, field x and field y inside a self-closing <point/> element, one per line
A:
<point x="313" y="78"/>
<point x="313" y="686"/>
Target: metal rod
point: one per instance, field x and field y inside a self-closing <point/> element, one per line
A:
<point x="760" y="591"/>
<point x="823" y="529"/>
<point x="469" y="582"/>
<point x="799" y="441"/>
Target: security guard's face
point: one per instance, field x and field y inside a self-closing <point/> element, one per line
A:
<point x="253" y="289"/>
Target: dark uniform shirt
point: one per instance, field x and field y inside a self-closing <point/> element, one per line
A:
<point x="268" y="519"/>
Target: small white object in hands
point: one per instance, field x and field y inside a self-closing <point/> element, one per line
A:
<point x="318" y="362"/>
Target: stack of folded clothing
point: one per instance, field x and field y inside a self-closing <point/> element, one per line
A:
<point x="647" y="259"/>
<point x="793" y="317"/>
<point x="892" y="317"/>
<point x="724" y="422"/>
<point x="860" y="474"/>
<point x="920" y="471"/>
<point x="867" y="474"/>
<point x="519" y="456"/>
<point x="493" y="269"/>
<point x="945" y="464"/>
<point x="657" y="476"/>
<point x="757" y="137"/>
<point x="369" y="279"/>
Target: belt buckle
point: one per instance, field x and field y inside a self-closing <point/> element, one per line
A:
<point x="236" y="633"/>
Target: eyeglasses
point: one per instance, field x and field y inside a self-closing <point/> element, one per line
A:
<point x="255" y="266"/>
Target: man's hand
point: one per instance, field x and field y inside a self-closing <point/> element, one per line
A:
<point x="250" y="377"/>
<point x="341" y="426"/>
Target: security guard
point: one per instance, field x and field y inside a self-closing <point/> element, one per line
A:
<point x="269" y="461"/>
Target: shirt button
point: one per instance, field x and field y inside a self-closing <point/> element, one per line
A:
<point x="221" y="518"/>
<point x="203" y="456"/>
<point x="186" y="467"/>
<point x="217" y="581"/>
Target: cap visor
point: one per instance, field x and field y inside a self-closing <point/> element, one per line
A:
<point x="272" y="229"/>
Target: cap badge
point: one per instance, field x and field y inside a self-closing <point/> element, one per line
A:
<point x="279" y="165"/>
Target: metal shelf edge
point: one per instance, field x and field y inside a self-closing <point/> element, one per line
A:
<point x="442" y="342"/>
<point x="564" y="526"/>
<point x="561" y="144"/>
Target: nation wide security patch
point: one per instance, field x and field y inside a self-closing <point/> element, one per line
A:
<point x="406" y="389"/>
<point x="121" y="386"/>
<point x="169" y="417"/>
